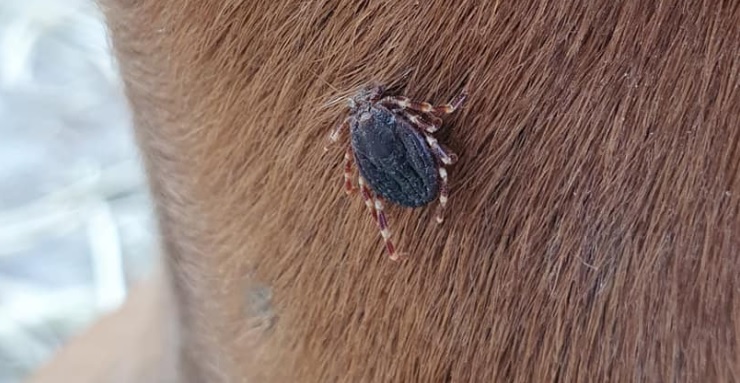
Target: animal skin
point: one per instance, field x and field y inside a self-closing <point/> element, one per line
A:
<point x="593" y="227"/>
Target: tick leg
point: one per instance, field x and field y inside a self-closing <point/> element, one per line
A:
<point x="376" y="210"/>
<point x="418" y="122"/>
<point x="348" y="187"/>
<point x="452" y="106"/>
<point x="449" y="153"/>
<point x="443" y="194"/>
<point x="384" y="231"/>
<point x="427" y="121"/>
<point x="445" y="155"/>
<point x="368" y="199"/>
<point x="436" y="121"/>
<point x="425" y="107"/>
<point x="336" y="133"/>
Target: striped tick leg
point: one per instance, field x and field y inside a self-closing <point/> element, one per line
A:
<point x="443" y="194"/>
<point x="425" y="107"/>
<point x="440" y="151"/>
<point x="384" y="232"/>
<point x="367" y="197"/>
<point x="348" y="187"/>
<point x="446" y="157"/>
<point x="376" y="210"/>
<point x="424" y="122"/>
<point x="336" y="133"/>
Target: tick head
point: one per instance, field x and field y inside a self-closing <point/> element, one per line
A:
<point x="365" y="97"/>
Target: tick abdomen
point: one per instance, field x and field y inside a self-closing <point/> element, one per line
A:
<point x="394" y="159"/>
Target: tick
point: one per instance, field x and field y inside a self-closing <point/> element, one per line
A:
<point x="398" y="158"/>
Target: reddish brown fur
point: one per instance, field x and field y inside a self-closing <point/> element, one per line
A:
<point x="593" y="230"/>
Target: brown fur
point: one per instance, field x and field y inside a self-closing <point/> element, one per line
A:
<point x="593" y="230"/>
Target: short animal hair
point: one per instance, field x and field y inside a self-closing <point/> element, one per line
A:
<point x="593" y="228"/>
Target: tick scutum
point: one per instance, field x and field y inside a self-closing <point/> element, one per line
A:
<point x="393" y="157"/>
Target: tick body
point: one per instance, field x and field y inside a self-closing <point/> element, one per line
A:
<point x="398" y="158"/>
<point x="394" y="158"/>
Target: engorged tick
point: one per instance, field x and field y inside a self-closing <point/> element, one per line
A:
<point x="398" y="158"/>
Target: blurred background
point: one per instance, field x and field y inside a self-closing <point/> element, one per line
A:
<point x="76" y="225"/>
